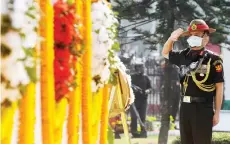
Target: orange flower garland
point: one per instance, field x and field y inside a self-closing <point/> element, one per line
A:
<point x="73" y="124"/>
<point x="86" y="77"/>
<point x="27" y="116"/>
<point x="104" y="115"/>
<point x="47" y="81"/>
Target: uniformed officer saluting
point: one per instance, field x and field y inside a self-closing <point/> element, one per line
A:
<point x="202" y="83"/>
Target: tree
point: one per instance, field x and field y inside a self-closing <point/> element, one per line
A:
<point x="139" y="12"/>
<point x="169" y="15"/>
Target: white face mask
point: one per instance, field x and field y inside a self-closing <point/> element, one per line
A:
<point x="194" y="41"/>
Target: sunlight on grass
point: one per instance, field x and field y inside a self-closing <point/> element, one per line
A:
<point x="149" y="140"/>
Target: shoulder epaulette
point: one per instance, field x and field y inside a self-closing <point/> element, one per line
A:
<point x="215" y="57"/>
<point x="218" y="61"/>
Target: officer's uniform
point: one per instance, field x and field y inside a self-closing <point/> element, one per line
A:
<point x="198" y="91"/>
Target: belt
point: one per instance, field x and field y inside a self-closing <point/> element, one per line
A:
<point x="191" y="99"/>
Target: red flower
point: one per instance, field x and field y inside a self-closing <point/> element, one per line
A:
<point x="60" y="7"/>
<point x="63" y="31"/>
<point x="61" y="72"/>
<point x="61" y="53"/>
<point x="66" y="36"/>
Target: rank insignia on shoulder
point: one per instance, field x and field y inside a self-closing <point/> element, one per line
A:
<point x="217" y="62"/>
<point x="218" y="68"/>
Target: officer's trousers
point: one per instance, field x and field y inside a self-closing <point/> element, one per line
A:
<point x="141" y="106"/>
<point x="196" y="123"/>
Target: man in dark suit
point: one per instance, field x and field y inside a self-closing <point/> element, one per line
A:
<point x="141" y="87"/>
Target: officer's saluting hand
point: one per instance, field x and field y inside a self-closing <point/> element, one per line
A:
<point x="176" y="34"/>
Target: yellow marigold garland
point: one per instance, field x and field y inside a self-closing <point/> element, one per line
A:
<point x="75" y="96"/>
<point x="97" y="105"/>
<point x="60" y="116"/>
<point x="47" y="78"/>
<point x="7" y="119"/>
<point x="74" y="109"/>
<point x="104" y="115"/>
<point x="27" y="116"/>
<point x="86" y="76"/>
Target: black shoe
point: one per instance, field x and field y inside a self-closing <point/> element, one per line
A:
<point x="135" y="135"/>
<point x="117" y="136"/>
<point x="143" y="134"/>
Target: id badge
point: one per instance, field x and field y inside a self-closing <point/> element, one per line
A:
<point x="187" y="99"/>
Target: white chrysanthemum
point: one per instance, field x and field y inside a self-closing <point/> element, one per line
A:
<point x="97" y="67"/>
<point x="11" y="63"/>
<point x="13" y="40"/>
<point x="105" y="74"/>
<point x="20" y="77"/>
<point x="10" y="94"/>
<point x="99" y="6"/>
<point x="110" y="20"/>
<point x="97" y="16"/>
<point x="14" y="65"/>
<point x="20" y="5"/>
<point x="96" y="26"/>
<point x="95" y="40"/>
<point x="17" y="19"/>
<point x="103" y="34"/>
<point x="30" y="40"/>
<point x="3" y="8"/>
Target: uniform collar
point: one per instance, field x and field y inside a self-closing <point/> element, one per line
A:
<point x="194" y="55"/>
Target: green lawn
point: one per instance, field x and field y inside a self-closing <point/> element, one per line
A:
<point x="149" y="140"/>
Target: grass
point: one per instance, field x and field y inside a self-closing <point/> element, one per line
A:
<point x="149" y="140"/>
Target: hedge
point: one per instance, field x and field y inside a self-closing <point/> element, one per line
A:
<point x="217" y="138"/>
<point x="226" y="105"/>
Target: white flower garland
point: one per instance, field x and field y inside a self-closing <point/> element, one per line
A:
<point x="103" y="36"/>
<point x="104" y="47"/>
<point x="18" y="66"/>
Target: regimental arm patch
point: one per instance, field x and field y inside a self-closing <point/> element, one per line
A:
<point x="218" y="65"/>
<point x="219" y="68"/>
